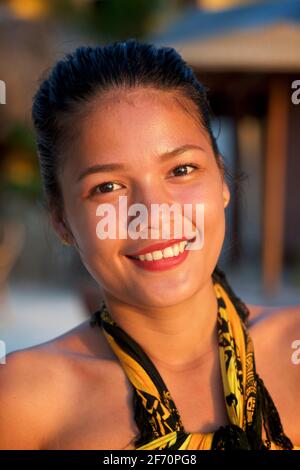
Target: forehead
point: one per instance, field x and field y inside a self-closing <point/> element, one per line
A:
<point x="122" y="123"/>
<point x="143" y="101"/>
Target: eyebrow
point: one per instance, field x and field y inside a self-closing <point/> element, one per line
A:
<point x="105" y="167"/>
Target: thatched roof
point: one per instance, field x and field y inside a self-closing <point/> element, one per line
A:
<point x="262" y="37"/>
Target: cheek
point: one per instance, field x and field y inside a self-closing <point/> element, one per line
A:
<point x="83" y="220"/>
<point x="213" y="229"/>
<point x="83" y="224"/>
<point x="210" y="197"/>
<point x="100" y="256"/>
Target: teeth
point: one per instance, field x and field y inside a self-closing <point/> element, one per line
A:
<point x="182" y="246"/>
<point x="176" y="250"/>
<point x="157" y="255"/>
<point x="168" y="252"/>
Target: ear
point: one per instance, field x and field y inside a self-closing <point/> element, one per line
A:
<point x="226" y="194"/>
<point x="60" y="226"/>
<point x="225" y="190"/>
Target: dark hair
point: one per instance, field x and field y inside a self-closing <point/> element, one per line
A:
<point x="79" y="77"/>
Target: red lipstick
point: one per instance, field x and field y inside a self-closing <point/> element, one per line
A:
<point x="157" y="246"/>
<point x="163" y="263"/>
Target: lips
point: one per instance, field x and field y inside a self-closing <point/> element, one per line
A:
<point x="157" y="246"/>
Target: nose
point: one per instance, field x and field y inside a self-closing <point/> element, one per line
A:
<point x="151" y="192"/>
<point x="160" y="210"/>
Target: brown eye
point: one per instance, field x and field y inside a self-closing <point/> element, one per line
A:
<point x="181" y="170"/>
<point x="104" y="188"/>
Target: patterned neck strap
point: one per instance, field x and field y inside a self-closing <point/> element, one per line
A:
<point x="155" y="412"/>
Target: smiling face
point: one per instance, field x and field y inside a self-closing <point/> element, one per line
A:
<point x="133" y="129"/>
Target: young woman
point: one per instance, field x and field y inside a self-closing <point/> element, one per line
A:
<point x="168" y="360"/>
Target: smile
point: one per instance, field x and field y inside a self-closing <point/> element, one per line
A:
<point x="163" y="259"/>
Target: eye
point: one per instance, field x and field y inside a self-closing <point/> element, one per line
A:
<point x="103" y="188"/>
<point x="180" y="170"/>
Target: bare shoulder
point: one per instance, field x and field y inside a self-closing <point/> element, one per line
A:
<point x="274" y="323"/>
<point x="275" y="332"/>
<point x="276" y="337"/>
<point x="265" y="316"/>
<point x="25" y="387"/>
<point x="39" y="385"/>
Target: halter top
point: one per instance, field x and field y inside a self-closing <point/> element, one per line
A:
<point x="247" y="401"/>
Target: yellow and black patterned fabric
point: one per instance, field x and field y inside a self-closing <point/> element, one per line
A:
<point x="248" y="403"/>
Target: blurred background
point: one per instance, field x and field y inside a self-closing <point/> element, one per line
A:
<point x="247" y="53"/>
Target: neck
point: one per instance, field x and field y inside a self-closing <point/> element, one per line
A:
<point x="177" y="337"/>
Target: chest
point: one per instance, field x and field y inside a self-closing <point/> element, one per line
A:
<point x="102" y="416"/>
